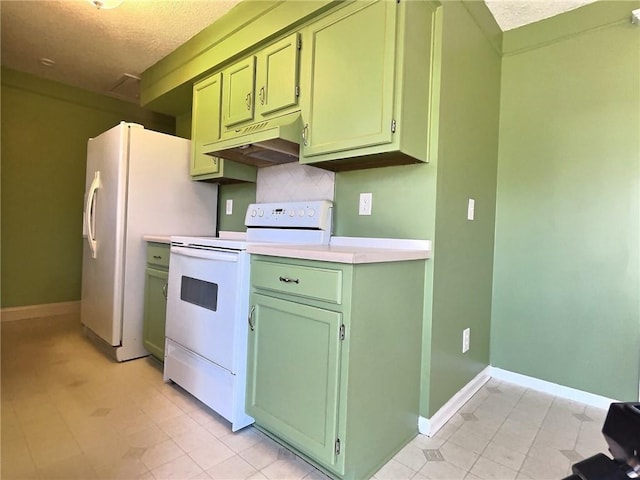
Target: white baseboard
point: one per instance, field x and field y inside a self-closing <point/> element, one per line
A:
<point x="34" y="311"/>
<point x="430" y="426"/>
<point x="552" y="388"/>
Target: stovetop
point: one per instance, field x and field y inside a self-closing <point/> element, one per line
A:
<point x="283" y="223"/>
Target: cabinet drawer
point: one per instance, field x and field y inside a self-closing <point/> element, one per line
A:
<point x="158" y="254"/>
<point x="311" y="282"/>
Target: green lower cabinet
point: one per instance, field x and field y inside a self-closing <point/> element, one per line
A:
<point x="297" y="370"/>
<point x="336" y="377"/>
<point x="155" y="299"/>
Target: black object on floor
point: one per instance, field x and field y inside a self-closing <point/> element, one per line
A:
<point x="621" y="430"/>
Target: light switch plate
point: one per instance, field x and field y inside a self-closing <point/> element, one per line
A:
<point x="466" y="340"/>
<point x="228" y="210"/>
<point x="471" y="209"/>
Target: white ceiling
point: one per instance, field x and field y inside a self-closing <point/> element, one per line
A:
<point x="510" y="14"/>
<point x="99" y="49"/>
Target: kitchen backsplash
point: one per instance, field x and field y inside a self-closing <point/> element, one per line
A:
<point x="292" y="182"/>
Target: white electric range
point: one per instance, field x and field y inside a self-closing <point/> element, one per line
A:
<point x="208" y="302"/>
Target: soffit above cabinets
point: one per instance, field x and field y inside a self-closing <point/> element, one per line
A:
<point x="105" y="51"/>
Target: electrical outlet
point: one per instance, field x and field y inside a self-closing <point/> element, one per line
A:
<point x="466" y="339"/>
<point x="364" y="207"/>
<point x="229" y="207"/>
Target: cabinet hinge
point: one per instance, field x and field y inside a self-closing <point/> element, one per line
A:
<point x="299" y="45"/>
<point x="297" y="90"/>
<point x="342" y="332"/>
<point x="337" y="446"/>
<point x="393" y="126"/>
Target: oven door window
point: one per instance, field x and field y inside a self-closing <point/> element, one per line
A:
<point x="199" y="292"/>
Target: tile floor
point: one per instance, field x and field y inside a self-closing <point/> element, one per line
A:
<point x="68" y="412"/>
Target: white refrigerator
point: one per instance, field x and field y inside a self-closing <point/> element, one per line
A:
<point x="137" y="184"/>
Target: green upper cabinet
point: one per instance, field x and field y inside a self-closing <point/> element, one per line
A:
<point x="205" y="129"/>
<point x="238" y="96"/>
<point x="262" y="85"/>
<point x="348" y="96"/>
<point x="365" y="88"/>
<point x="205" y="124"/>
<point x="277" y="76"/>
<point x="364" y="77"/>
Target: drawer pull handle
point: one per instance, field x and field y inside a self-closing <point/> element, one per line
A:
<point x="252" y="325"/>
<point x="289" y="280"/>
<point x="157" y="257"/>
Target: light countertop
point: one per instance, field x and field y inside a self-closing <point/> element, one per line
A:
<point x="340" y="249"/>
<point x="352" y="250"/>
<point x="157" y="238"/>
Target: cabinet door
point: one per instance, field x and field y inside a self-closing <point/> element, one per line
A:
<point x="205" y="125"/>
<point x="348" y="94"/>
<point x="277" y="76"/>
<point x="155" y="311"/>
<point x="237" y="97"/>
<point x="294" y="373"/>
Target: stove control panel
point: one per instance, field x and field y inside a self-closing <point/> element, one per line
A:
<point x="314" y="214"/>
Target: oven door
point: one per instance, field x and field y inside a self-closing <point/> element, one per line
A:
<point x="202" y="302"/>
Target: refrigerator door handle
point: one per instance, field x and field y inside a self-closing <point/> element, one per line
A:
<point x="89" y="215"/>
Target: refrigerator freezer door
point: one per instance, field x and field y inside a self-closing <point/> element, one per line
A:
<point x="102" y="262"/>
<point x="145" y="189"/>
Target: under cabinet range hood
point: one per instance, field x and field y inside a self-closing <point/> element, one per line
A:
<point x="270" y="142"/>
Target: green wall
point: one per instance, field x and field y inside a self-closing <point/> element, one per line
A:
<point x="242" y="195"/>
<point x="45" y="128"/>
<point x="467" y="165"/>
<point x="566" y="301"/>
<point x="183" y="125"/>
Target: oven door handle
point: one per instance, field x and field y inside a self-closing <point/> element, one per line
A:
<point x="205" y="254"/>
